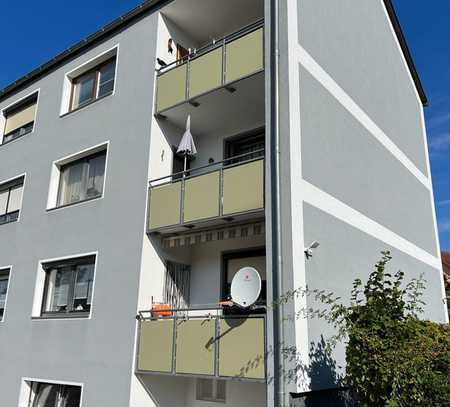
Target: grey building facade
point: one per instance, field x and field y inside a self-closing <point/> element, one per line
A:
<point x="308" y="121"/>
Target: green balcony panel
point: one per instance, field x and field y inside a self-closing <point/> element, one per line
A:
<point x="205" y="72"/>
<point x="171" y="87"/>
<point x="155" y="346"/>
<point x="244" y="56"/>
<point x="241" y="348"/>
<point x="195" y="346"/>
<point x="243" y="188"/>
<point x="165" y="205"/>
<point x="201" y="197"/>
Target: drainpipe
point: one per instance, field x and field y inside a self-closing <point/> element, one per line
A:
<point x="278" y="360"/>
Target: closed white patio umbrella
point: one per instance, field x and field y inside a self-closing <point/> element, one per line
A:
<point x="187" y="145"/>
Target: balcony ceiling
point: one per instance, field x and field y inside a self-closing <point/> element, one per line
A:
<point x="205" y="20"/>
<point x="223" y="111"/>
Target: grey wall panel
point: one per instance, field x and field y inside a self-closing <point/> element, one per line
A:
<point x="345" y="254"/>
<point x="342" y="158"/>
<point x="98" y="352"/>
<point x="353" y="42"/>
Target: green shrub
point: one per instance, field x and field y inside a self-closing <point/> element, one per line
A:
<point x="393" y="358"/>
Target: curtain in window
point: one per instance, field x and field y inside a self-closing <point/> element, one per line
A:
<point x="84" y="90"/>
<point x="10" y="199"/>
<point x="3" y="201"/>
<point x="82" y="180"/>
<point x="72" y="183"/>
<point x="58" y="289"/>
<point x="71" y="396"/>
<point x="106" y="84"/>
<point x="177" y="285"/>
<point x="47" y="395"/>
<point x="83" y="287"/>
<point x="95" y="176"/>
<point x="20" y="118"/>
<point x="15" y="198"/>
<point x="55" y="395"/>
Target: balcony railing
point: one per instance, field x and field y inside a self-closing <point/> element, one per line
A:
<point x="231" y="188"/>
<point x="202" y="345"/>
<point x="216" y="65"/>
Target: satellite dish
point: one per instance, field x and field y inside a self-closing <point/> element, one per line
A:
<point x="246" y="287"/>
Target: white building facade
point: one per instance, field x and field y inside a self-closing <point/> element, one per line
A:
<point x="116" y="251"/>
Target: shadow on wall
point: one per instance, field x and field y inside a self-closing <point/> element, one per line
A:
<point x="323" y="369"/>
<point x="325" y="398"/>
<point x="326" y="382"/>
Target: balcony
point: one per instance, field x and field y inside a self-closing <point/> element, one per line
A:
<point x="218" y="64"/>
<point x="206" y="345"/>
<point x="231" y="190"/>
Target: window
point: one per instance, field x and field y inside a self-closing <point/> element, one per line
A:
<point x="177" y="285"/>
<point x="82" y="179"/>
<point x="252" y="146"/>
<point x="232" y="263"/>
<point x="211" y="390"/>
<point x="68" y="287"/>
<point x="10" y="200"/>
<point x="54" y="395"/>
<point x="4" y="279"/>
<point x="19" y="119"/>
<point x="93" y="85"/>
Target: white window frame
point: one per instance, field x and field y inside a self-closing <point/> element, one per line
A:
<point x="76" y="72"/>
<point x="24" y="175"/>
<point x="39" y="290"/>
<point x="9" y="269"/>
<point x="8" y="107"/>
<point x="26" y="394"/>
<point x="55" y="176"/>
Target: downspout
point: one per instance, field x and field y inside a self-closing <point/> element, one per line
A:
<point x="278" y="360"/>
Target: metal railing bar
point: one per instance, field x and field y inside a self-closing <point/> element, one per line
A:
<point x="218" y="164"/>
<point x="212" y="45"/>
<point x="245" y="30"/>
<point x="206" y="315"/>
<point x="203" y="308"/>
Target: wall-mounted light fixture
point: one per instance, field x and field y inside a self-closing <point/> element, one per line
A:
<point x="310" y="248"/>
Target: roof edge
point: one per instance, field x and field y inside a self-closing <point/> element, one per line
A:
<point x="406" y="52"/>
<point x="148" y="6"/>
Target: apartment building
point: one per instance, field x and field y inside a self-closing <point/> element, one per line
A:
<point x="116" y="251"/>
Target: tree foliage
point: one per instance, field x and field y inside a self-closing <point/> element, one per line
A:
<point x="393" y="358"/>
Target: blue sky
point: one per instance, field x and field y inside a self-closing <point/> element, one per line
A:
<point x="47" y="28"/>
<point x="426" y="28"/>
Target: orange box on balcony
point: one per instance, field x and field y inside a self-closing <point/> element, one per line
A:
<point x="161" y="310"/>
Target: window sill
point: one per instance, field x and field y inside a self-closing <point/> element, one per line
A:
<point x="95" y="198"/>
<point x="86" y="105"/>
<point x="52" y="317"/>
